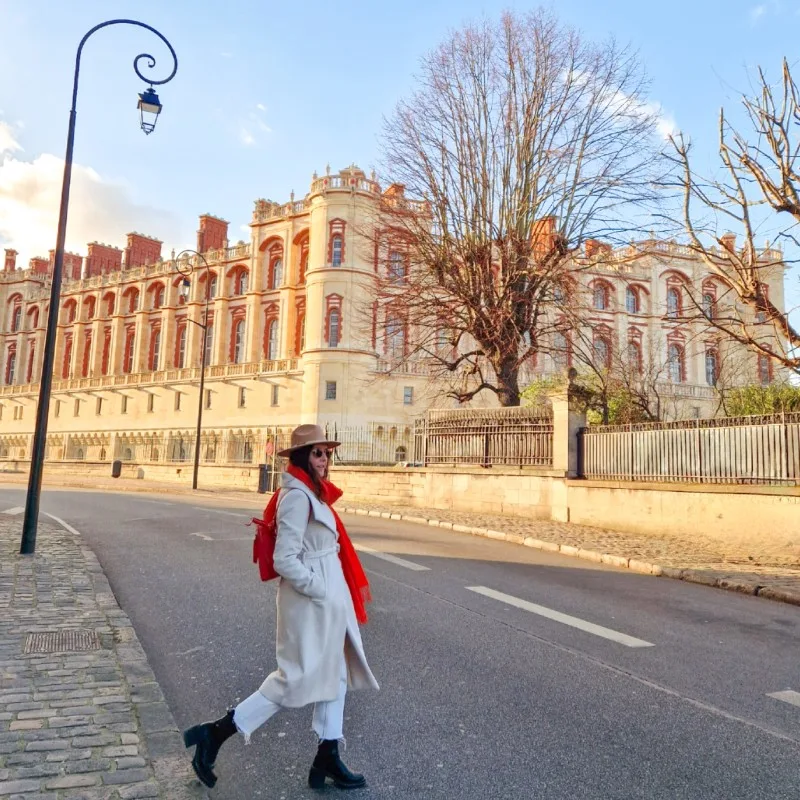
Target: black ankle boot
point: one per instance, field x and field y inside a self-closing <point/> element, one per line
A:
<point x="208" y="738"/>
<point x="327" y="764"/>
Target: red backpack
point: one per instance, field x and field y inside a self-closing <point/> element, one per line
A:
<point x="264" y="541"/>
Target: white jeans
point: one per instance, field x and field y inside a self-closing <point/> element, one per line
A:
<point x="327" y="722"/>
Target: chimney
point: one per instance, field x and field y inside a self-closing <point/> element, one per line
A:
<point x="11" y="261"/>
<point x="213" y="233"/>
<point x="729" y="241"/>
<point x="395" y="190"/>
<point x="141" y="250"/>
<point x="39" y="265"/>
<point x="102" y="259"/>
<point x="72" y="268"/>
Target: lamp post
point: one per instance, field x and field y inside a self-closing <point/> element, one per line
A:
<point x="149" y="108"/>
<point x="186" y="269"/>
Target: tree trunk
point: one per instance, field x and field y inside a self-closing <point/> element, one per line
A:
<point x="508" y="382"/>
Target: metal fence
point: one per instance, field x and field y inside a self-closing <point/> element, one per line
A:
<point x="485" y="437"/>
<point x="735" y="450"/>
<point x="377" y="444"/>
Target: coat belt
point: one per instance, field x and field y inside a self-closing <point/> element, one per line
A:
<point x="320" y="553"/>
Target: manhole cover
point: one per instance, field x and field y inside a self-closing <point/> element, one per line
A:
<point x="60" y="641"/>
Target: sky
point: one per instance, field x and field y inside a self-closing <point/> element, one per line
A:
<point x="267" y="92"/>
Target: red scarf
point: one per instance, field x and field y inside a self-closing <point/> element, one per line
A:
<point x="351" y="567"/>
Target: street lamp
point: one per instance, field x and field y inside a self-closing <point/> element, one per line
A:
<point x="149" y="109"/>
<point x="186" y="268"/>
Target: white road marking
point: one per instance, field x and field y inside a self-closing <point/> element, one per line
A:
<point x="63" y="524"/>
<point x="15" y="510"/>
<point x="202" y="536"/>
<point x="789" y="696"/>
<point x="401" y="562"/>
<point x="219" y="511"/>
<point x="557" y="616"/>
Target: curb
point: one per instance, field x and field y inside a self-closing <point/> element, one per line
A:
<point x="633" y="564"/>
<point x="157" y="727"/>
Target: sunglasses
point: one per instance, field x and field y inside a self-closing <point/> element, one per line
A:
<point x="318" y="453"/>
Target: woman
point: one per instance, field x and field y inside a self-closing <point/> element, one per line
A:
<point x="321" y="598"/>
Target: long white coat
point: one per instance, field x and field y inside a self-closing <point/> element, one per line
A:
<point x="316" y="619"/>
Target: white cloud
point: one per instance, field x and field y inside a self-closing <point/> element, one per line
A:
<point x="8" y="143"/>
<point x="261" y="107"/>
<point x="246" y="137"/>
<point x="757" y="12"/>
<point x="30" y="194"/>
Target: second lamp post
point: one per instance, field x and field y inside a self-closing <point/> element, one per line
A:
<point x="185" y="268"/>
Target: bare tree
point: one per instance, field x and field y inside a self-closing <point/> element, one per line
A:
<point x="758" y="189"/>
<point x="522" y="141"/>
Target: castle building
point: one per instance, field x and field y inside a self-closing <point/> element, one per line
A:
<point x="288" y="334"/>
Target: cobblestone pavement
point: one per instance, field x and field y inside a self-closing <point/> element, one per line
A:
<point x="77" y="723"/>
<point x="696" y="558"/>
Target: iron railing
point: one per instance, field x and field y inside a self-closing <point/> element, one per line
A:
<point x="735" y="450"/>
<point x="485" y="437"/>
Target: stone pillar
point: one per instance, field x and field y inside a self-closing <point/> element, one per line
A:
<point x="566" y="424"/>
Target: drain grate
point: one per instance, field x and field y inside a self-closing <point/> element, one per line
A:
<point x="61" y="641"/>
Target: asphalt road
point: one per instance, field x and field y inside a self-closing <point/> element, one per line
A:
<point x="505" y="672"/>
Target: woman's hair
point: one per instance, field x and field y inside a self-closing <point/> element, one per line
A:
<point x="301" y="458"/>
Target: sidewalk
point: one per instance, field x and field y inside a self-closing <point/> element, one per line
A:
<point x="81" y="714"/>
<point x="696" y="559"/>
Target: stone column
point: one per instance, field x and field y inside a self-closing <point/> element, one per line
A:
<point x="566" y="424"/>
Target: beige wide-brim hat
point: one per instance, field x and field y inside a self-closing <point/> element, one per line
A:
<point x="305" y="436"/>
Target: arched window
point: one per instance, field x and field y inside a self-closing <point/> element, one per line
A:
<point x="271" y="349"/>
<point x="127" y="358"/>
<point x="31" y="362"/>
<point x="90" y="303"/>
<point x="300" y="333"/>
<point x="709" y="305"/>
<point x="764" y="369"/>
<point x="673" y="302"/>
<point x="72" y="311"/>
<point x="11" y="366"/>
<point x="209" y="342"/>
<point x="635" y="357"/>
<point x="303" y="268"/>
<point x="133" y="301"/>
<point x="712" y="367"/>
<point x="87" y="352"/>
<point x="631" y="300"/>
<point x="397" y="267"/>
<point x="34" y="318"/>
<point x="237" y="342"/>
<point x="65" y="365"/>
<point x="334" y="322"/>
<point x="106" y="351"/>
<point x="600" y="297"/>
<point x="276" y="273"/>
<point x="109" y="301"/>
<point x="16" y="318"/>
<point x="675" y="363"/>
<point x="155" y="348"/>
<point x="337" y="250"/>
<point x="180" y="350"/>
<point x="240" y="282"/>
<point x="212" y="287"/>
<point x="602" y="351"/>
<point x="158" y="297"/>
<point x="561" y="350"/>
<point x="395" y="338"/>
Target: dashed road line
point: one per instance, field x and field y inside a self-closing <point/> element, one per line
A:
<point x="787" y="696"/>
<point x="565" y="619"/>
<point x="400" y="562"/>
<point x="15" y="510"/>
